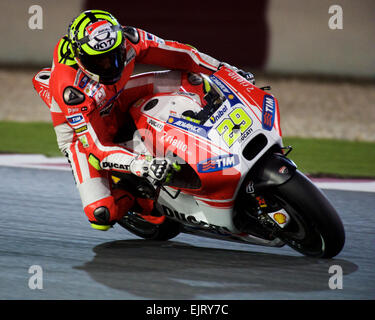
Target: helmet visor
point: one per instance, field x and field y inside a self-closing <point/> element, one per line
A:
<point x="108" y="66"/>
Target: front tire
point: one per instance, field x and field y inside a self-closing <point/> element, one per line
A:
<point x="315" y="228"/>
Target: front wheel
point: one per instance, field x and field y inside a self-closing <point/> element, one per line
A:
<point x="315" y="229"/>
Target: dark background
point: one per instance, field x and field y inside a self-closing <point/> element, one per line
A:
<point x="234" y="32"/>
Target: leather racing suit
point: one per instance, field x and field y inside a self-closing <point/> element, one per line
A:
<point x="86" y="115"/>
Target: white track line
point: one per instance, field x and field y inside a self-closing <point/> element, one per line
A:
<point x="349" y="185"/>
<point x="36" y="161"/>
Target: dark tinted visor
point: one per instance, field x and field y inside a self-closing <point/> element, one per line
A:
<point x="108" y="66"/>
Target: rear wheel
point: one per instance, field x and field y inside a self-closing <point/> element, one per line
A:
<point x="315" y="229"/>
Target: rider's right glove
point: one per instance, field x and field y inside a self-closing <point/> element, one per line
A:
<point x="156" y="168"/>
<point x="247" y="75"/>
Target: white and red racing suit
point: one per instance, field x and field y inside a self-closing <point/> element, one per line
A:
<point x="86" y="114"/>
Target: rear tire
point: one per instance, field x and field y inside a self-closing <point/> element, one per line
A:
<point x="315" y="228"/>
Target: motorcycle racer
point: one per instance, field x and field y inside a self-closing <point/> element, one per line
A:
<point x="92" y="87"/>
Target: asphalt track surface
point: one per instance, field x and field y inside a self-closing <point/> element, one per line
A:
<point x="42" y="223"/>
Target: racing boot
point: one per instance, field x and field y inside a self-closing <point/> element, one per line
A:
<point x="104" y="213"/>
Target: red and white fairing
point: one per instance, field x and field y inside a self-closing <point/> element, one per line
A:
<point x="214" y="149"/>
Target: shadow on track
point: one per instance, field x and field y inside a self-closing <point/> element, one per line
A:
<point x="173" y="270"/>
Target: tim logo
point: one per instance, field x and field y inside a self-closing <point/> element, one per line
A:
<point x="268" y="113"/>
<point x="75" y="119"/>
<point x="218" y="163"/>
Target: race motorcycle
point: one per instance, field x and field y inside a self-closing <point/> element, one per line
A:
<point x="232" y="179"/>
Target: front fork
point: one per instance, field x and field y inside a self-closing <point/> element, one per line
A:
<point x="268" y="215"/>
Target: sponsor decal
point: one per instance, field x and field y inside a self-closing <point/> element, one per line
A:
<point x="76" y="119"/>
<point x="100" y="95"/>
<point x="218" y="163"/>
<point x="84" y="141"/>
<point x="155" y="124"/>
<point x="188" y="126"/>
<point x="215" y="117"/>
<point x="44" y="93"/>
<point x="250" y="187"/>
<point x="241" y="81"/>
<point x="237" y="126"/>
<point x="268" y="112"/>
<point x="81" y="129"/>
<point x="262" y="203"/>
<point x="152" y="37"/>
<point x="283" y="170"/>
<point x="111" y="165"/>
<point x="220" y="84"/>
<point x="228" y="93"/>
<point x="91" y="88"/>
<point x="78" y="76"/>
<point x="85" y="79"/>
<point x="174" y="142"/>
<point x="73" y="110"/>
<point x="280" y="217"/>
<point x="193" y="220"/>
<point x="246" y="134"/>
<point x="191" y="119"/>
<point x="101" y="35"/>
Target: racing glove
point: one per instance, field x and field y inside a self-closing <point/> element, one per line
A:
<point x="156" y="168"/>
<point x="247" y="75"/>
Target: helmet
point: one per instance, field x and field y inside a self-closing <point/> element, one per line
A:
<point x="98" y="45"/>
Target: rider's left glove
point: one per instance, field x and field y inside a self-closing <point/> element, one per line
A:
<point x="156" y="168"/>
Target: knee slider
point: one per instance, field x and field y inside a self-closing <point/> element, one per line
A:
<point x="102" y="215"/>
